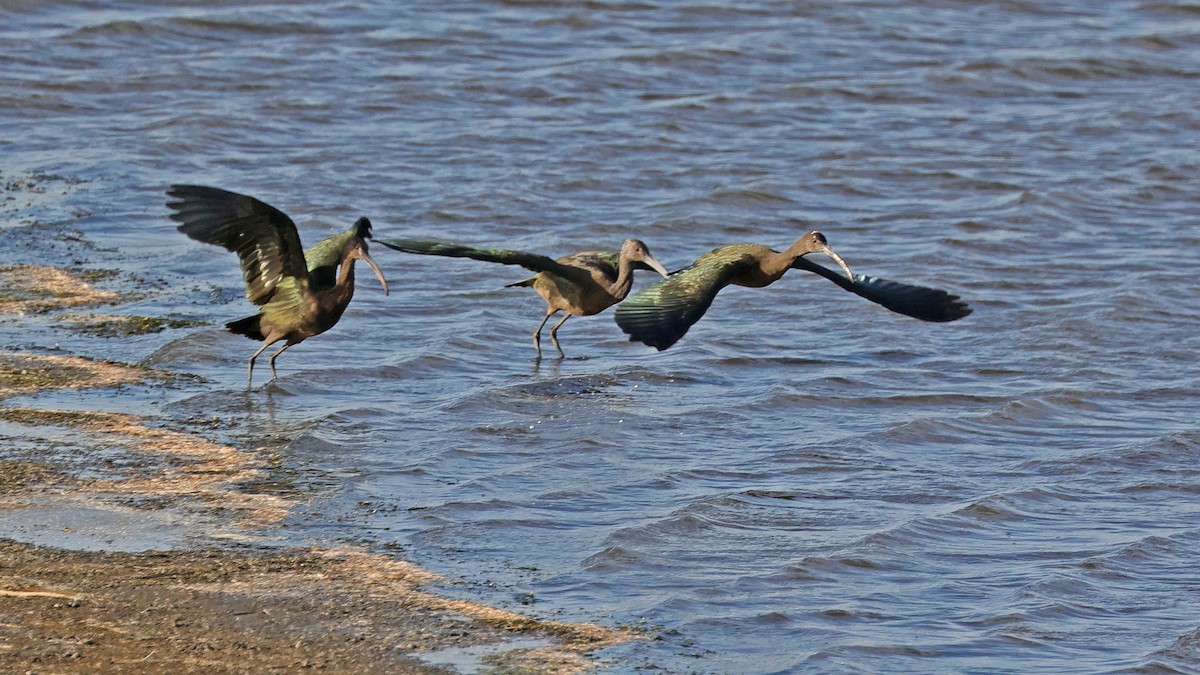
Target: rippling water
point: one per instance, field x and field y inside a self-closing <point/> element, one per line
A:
<point x="806" y="481"/>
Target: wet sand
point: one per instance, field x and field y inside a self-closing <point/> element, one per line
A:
<point x="251" y="611"/>
<point x="232" y="603"/>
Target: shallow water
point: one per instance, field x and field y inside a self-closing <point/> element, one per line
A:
<point x="806" y="481"/>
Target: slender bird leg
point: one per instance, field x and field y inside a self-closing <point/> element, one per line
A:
<point x="537" y="334"/>
<point x="250" y="366"/>
<point x="554" y="335"/>
<point x="275" y="356"/>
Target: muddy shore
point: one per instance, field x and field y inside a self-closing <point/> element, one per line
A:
<point x="231" y="603"/>
<point x="256" y="610"/>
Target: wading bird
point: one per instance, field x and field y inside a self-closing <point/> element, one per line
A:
<point x="580" y="284"/>
<point x="661" y="314"/>
<point x="301" y="294"/>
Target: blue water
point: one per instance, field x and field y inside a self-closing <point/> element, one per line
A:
<point x="806" y="482"/>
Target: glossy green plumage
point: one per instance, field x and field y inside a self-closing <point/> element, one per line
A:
<point x="661" y="314"/>
<point x="328" y="251"/>
<point x="323" y="258"/>
<point x="295" y="303"/>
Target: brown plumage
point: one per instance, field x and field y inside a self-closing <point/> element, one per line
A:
<point x="661" y="314"/>
<point x="297" y="303"/>
<point x="580" y="284"/>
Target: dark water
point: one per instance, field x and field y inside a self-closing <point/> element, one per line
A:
<point x="806" y="482"/>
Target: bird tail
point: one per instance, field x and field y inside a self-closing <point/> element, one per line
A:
<point x="249" y="326"/>
<point x="523" y="282"/>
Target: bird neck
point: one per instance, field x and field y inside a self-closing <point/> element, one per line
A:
<point x="774" y="264"/>
<point x="346" y="276"/>
<point x="620" y="288"/>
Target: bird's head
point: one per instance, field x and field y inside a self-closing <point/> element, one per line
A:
<point x="636" y="251"/>
<point x="356" y="249"/>
<point x="362" y="228"/>
<point x="815" y="242"/>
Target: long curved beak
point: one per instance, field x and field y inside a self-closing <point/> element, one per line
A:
<point x="838" y="259"/>
<point x="655" y="265"/>
<point x="371" y="261"/>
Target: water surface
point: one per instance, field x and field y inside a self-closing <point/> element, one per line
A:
<point x="806" y="482"/>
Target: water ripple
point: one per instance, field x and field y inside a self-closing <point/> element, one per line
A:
<point x="806" y="481"/>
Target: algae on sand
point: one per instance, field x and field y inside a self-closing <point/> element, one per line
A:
<point x="24" y="373"/>
<point x="34" y="289"/>
<point x="107" y="325"/>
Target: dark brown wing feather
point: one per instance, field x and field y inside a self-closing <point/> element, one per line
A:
<point x="604" y="263"/>
<point x="263" y="237"/>
<point x="660" y="314"/>
<point x="919" y="302"/>
<point x="530" y="261"/>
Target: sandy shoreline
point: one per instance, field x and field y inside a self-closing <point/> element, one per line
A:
<point x="229" y="604"/>
<point x="215" y="610"/>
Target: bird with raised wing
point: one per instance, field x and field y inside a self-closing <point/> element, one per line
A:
<point x="661" y="314"/>
<point x="580" y="284"/>
<point x="300" y="294"/>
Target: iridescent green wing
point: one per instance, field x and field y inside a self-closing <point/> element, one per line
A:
<point x="287" y="306"/>
<point x="530" y="261"/>
<point x="660" y="314"/>
<point x="263" y="237"/>
<point x="323" y="258"/>
<point x="919" y="302"/>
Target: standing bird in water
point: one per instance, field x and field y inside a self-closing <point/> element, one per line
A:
<point x="661" y="314"/>
<point x="301" y="294"/>
<point x="580" y="284"/>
